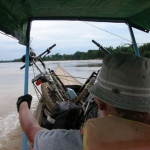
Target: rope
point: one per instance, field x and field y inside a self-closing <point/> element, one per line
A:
<point x="60" y="76"/>
<point x="73" y="81"/>
<point x="35" y="86"/>
<point x="64" y="74"/>
<point x="68" y="79"/>
<point x="73" y="77"/>
<point x="107" y="31"/>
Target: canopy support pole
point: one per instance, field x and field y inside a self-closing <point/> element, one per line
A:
<point x="24" y="138"/>
<point x="134" y="41"/>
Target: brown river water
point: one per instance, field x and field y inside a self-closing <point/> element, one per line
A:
<point x="12" y="86"/>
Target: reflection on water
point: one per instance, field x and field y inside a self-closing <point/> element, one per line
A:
<point x="12" y="86"/>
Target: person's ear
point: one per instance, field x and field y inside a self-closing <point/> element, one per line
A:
<point x="101" y="105"/>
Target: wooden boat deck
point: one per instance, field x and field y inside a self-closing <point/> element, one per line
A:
<point x="65" y="77"/>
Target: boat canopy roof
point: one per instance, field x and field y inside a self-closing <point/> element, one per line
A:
<point x="16" y="15"/>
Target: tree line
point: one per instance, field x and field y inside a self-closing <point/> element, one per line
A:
<point x="95" y="54"/>
<point x="100" y="54"/>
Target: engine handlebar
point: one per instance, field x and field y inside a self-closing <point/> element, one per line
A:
<point x="30" y="64"/>
<point x="96" y="43"/>
<point x="47" y="51"/>
<point x="101" y="47"/>
<point x="36" y="58"/>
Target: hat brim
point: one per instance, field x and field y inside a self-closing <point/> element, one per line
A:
<point x="140" y="104"/>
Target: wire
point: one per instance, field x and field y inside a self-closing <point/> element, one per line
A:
<point x="72" y="77"/>
<point x="110" y="32"/>
<point x="60" y="76"/>
<point x="34" y="85"/>
<point x="107" y="31"/>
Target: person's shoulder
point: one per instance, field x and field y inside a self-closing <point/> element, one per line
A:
<point x="56" y="132"/>
<point x="66" y="139"/>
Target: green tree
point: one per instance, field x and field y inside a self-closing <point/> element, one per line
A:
<point x="146" y="54"/>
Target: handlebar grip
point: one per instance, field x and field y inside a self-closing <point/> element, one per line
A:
<point x="52" y="46"/>
<point x="47" y="51"/>
<point x="104" y="49"/>
<point x="22" y="67"/>
<point x="96" y="43"/>
<point x="30" y="64"/>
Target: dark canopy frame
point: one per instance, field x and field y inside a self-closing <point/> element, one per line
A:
<point x="15" y="15"/>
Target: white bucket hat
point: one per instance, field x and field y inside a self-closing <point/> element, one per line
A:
<point x="124" y="82"/>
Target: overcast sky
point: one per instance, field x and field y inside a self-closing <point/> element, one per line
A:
<point x="69" y="37"/>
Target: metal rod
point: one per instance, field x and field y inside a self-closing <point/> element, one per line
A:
<point x="26" y="90"/>
<point x="134" y="41"/>
<point x="37" y="67"/>
<point x="26" y="79"/>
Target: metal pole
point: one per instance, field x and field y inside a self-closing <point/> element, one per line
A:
<point x="24" y="138"/>
<point x="26" y="90"/>
<point x="133" y="41"/>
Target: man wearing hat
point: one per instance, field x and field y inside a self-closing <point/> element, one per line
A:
<point x="122" y="93"/>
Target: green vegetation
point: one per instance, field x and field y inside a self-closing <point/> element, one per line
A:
<point x="99" y="54"/>
<point x="94" y="54"/>
<point x="7" y="61"/>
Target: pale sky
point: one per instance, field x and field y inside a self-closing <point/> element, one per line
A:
<point x="69" y="37"/>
